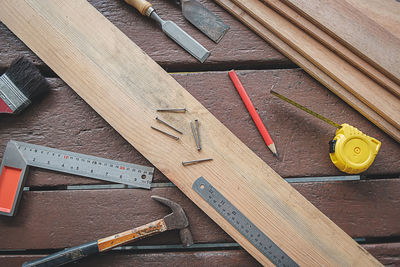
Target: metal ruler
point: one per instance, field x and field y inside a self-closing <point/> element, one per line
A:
<point x="254" y="235"/>
<point x="21" y="155"/>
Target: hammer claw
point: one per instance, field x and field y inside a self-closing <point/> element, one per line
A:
<point x="176" y="220"/>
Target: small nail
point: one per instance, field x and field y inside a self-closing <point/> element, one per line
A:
<point x="190" y="162"/>
<point x="176" y="110"/>
<point x="196" y="122"/>
<point x="167" y="134"/>
<point x="194" y="135"/>
<point x="167" y="124"/>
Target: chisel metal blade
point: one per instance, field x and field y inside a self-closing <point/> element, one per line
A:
<point x="182" y="38"/>
<point x="204" y="19"/>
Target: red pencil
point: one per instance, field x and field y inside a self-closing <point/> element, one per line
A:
<point x="256" y="118"/>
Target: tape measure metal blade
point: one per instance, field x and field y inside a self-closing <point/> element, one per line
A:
<point x="251" y="232"/>
<point x="86" y="165"/>
<point x="309" y="111"/>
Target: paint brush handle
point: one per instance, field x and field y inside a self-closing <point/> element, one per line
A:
<point x="141" y="5"/>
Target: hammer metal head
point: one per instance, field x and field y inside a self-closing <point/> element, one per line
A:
<point x="176" y="220"/>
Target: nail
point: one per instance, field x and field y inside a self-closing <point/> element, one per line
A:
<point x="196" y="122"/>
<point x="167" y="124"/>
<point x="194" y="135"/>
<point x="190" y="162"/>
<point x="176" y="110"/>
<point x="167" y="134"/>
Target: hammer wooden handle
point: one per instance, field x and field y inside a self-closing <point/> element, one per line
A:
<point x="131" y="235"/>
<point x="140" y="5"/>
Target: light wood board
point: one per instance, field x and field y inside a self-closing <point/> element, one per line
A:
<point x="334" y="45"/>
<point x="311" y="69"/>
<point x="125" y="87"/>
<point x="365" y="89"/>
<point x="355" y="30"/>
<point x="384" y="12"/>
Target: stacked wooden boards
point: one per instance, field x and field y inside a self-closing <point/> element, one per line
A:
<point x="358" y="82"/>
<point x="125" y="87"/>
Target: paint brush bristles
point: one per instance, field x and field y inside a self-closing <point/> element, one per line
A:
<point x="19" y="85"/>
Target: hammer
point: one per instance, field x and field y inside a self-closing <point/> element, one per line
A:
<point x="176" y="220"/>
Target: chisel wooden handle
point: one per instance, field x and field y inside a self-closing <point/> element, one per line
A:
<point x="141" y="5"/>
<point x="104" y="244"/>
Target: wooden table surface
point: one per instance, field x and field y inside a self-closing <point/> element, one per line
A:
<point x="53" y="215"/>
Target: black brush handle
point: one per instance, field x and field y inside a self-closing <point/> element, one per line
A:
<point x="65" y="256"/>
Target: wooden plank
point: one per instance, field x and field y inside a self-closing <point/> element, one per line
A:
<point x="361" y="208"/>
<point x="387" y="254"/>
<point x="196" y="258"/>
<point x="334" y="45"/>
<point x="120" y="81"/>
<point x="312" y="69"/>
<point x="365" y="89"/>
<point x="147" y="35"/>
<point x="385" y="13"/>
<point x="356" y="30"/>
<point x="45" y="123"/>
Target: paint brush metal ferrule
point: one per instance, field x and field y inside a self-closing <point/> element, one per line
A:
<point x="190" y="162"/>
<point x="167" y="134"/>
<point x="12" y="95"/>
<point x="167" y="124"/>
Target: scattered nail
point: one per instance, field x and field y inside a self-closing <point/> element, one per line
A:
<point x="167" y="124"/>
<point x="194" y="135"/>
<point x="196" y="122"/>
<point x="190" y="162"/>
<point x="176" y="110"/>
<point x="167" y="134"/>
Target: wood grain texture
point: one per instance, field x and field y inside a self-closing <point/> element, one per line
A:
<point x="82" y="130"/>
<point x="312" y="69"/>
<point x="334" y="45"/>
<point x="249" y="51"/>
<point x="98" y="213"/>
<point x="385" y="13"/>
<point x="365" y="89"/>
<point x="120" y="81"/>
<point x="387" y="254"/>
<point x="356" y="30"/>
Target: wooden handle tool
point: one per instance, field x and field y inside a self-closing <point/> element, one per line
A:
<point x="142" y="6"/>
<point x="175" y="220"/>
<point x="172" y="30"/>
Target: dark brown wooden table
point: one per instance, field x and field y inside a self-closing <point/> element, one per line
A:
<point x="57" y="212"/>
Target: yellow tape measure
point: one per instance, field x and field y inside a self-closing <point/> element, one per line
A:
<point x="350" y="150"/>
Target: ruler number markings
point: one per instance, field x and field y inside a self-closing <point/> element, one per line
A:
<point x="86" y="165"/>
<point x="251" y="232"/>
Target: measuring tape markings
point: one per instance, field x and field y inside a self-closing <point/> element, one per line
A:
<point x="251" y="232"/>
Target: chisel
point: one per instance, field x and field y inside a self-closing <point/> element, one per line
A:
<point x="172" y="30"/>
<point x="203" y="19"/>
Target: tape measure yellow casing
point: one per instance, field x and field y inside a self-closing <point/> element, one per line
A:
<point x="352" y="151"/>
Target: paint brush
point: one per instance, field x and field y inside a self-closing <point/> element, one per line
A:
<point x="20" y="85"/>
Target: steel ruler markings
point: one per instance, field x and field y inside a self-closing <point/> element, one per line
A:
<point x="254" y="235"/>
<point x="85" y="165"/>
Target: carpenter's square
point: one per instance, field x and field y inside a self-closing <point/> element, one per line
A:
<point x="19" y="156"/>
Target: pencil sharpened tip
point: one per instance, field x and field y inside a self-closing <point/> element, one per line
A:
<point x="276" y="155"/>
